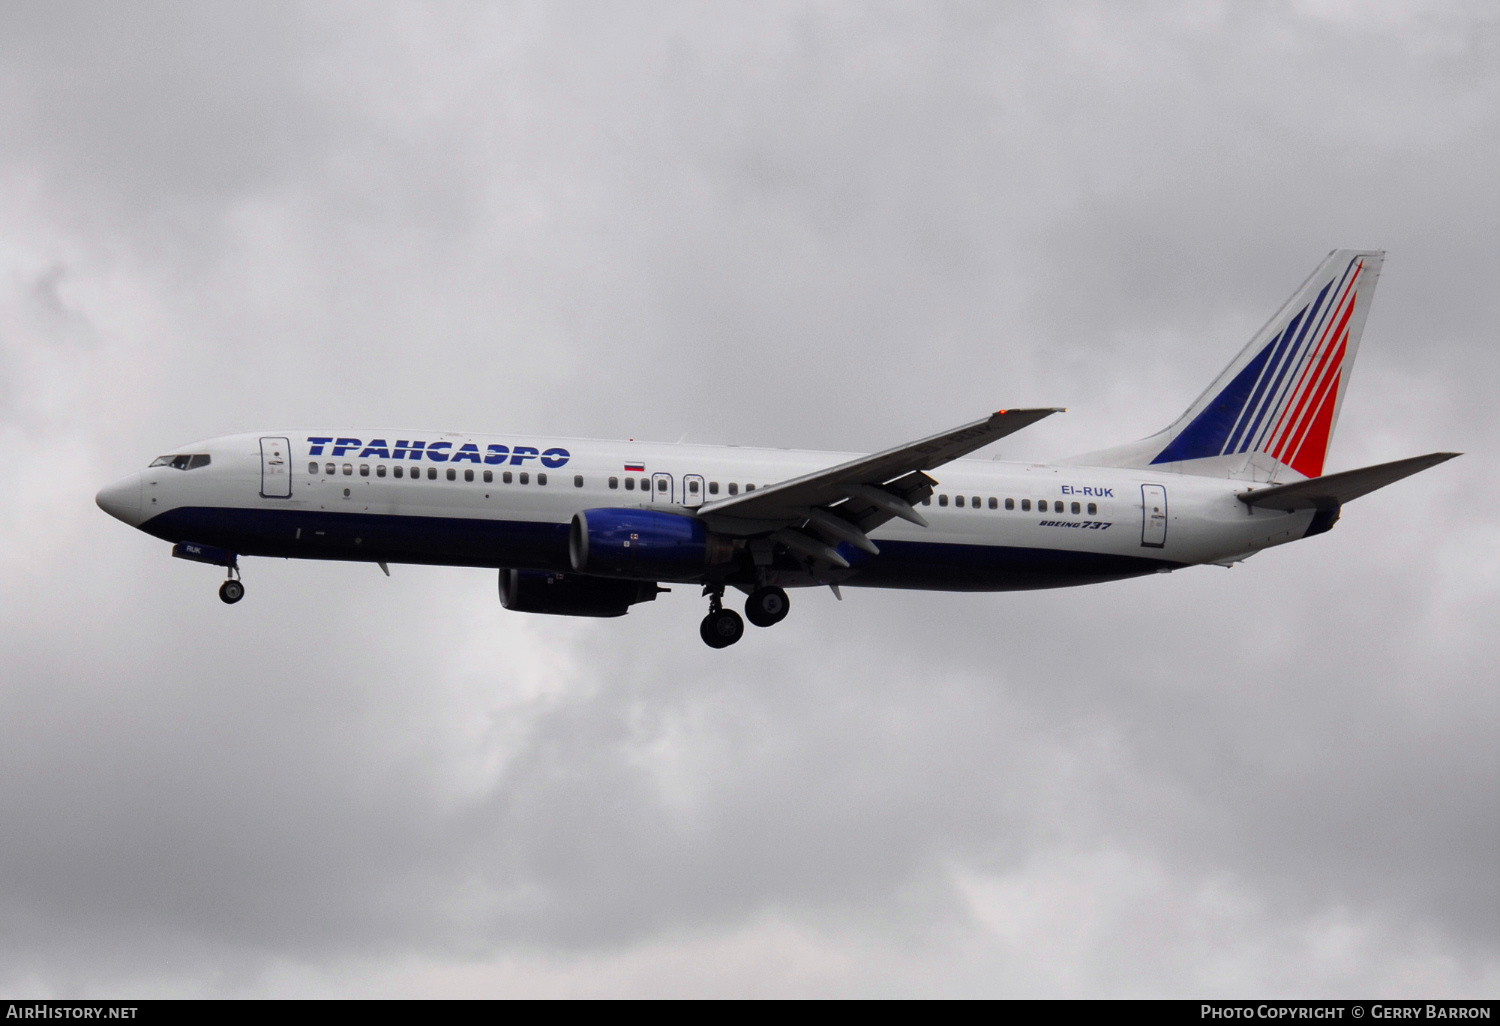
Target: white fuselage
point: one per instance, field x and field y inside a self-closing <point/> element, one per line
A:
<point x="498" y="502"/>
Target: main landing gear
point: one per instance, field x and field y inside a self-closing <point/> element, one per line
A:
<point x="723" y="627"/>
<point x="767" y="607"/>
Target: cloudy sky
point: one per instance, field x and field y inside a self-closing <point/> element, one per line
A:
<point x="824" y="225"/>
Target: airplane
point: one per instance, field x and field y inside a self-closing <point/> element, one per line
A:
<point x="580" y="527"/>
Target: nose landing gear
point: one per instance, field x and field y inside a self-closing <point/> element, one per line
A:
<point x="232" y="590"/>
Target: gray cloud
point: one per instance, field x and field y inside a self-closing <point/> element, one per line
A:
<point x="834" y="226"/>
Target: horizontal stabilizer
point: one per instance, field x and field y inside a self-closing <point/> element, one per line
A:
<point x="1333" y="490"/>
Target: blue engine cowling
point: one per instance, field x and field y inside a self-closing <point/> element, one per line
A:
<point x="541" y="591"/>
<point x="644" y="544"/>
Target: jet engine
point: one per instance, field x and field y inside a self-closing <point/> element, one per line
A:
<point x="541" y="591"/>
<point x="644" y="544"/>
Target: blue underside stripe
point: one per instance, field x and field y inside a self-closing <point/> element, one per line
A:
<point x="455" y="541"/>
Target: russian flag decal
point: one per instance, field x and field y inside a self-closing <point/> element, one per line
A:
<point x="637" y="467"/>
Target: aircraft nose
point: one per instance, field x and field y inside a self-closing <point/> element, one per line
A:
<point x="122" y="500"/>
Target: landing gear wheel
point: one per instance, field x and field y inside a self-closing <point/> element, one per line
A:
<point x="722" y="628"/>
<point x="767" y="606"/>
<point x="231" y="591"/>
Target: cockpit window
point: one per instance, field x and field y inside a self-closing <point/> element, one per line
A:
<point x="184" y="461"/>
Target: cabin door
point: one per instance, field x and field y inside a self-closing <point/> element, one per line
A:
<point x="1153" y="516"/>
<point x="661" y="489"/>
<point x="275" y="468"/>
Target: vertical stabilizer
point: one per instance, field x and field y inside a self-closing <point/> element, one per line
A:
<point x="1270" y="414"/>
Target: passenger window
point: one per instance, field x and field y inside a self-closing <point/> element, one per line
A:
<point x="452" y="474"/>
<point x="468" y="475"/>
<point x="364" y="470"/>
<point x="713" y="488"/>
<point x="975" y="502"/>
<point x="734" y="488"/>
<point x="577" y="480"/>
<point x="958" y="500"/>
<point x="330" y="469"/>
<point x="693" y="487"/>
<point x="1093" y="509"/>
<point x="749" y="488"/>
<point x="312" y="468"/>
<point x="630" y="484"/>
<point x="380" y="470"/>
<point x="348" y="469"/>
<point x="432" y="473"/>
<point x="489" y="477"/>
<point x="398" y="471"/>
<point x="927" y="501"/>
<point x="993" y="503"/>
<point x="614" y="482"/>
<point x="1010" y="503"/>
<point x="1077" y="508"/>
<point x="1025" y="505"/>
<point x="506" y="477"/>
<point x="526" y="477"/>
<point x="541" y="479"/>
<point x="942" y="500"/>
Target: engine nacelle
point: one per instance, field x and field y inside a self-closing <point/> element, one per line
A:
<point x="540" y="591"/>
<point x="644" y="544"/>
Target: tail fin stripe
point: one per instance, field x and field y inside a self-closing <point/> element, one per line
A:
<point x="1314" y="441"/>
<point x="1312" y="399"/>
<point x="1296" y="440"/>
<point x="1284" y="355"/>
<point x="1251" y="409"/>
<point x="1283" y="397"/>
<point x="1287" y="371"/>
<point x="1316" y="368"/>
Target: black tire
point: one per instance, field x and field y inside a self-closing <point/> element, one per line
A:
<point x="721" y="629"/>
<point x="767" y="606"/>
<point x="231" y="591"/>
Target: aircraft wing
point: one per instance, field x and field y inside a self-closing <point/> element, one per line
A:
<point x="1333" y="490"/>
<point x="846" y="502"/>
